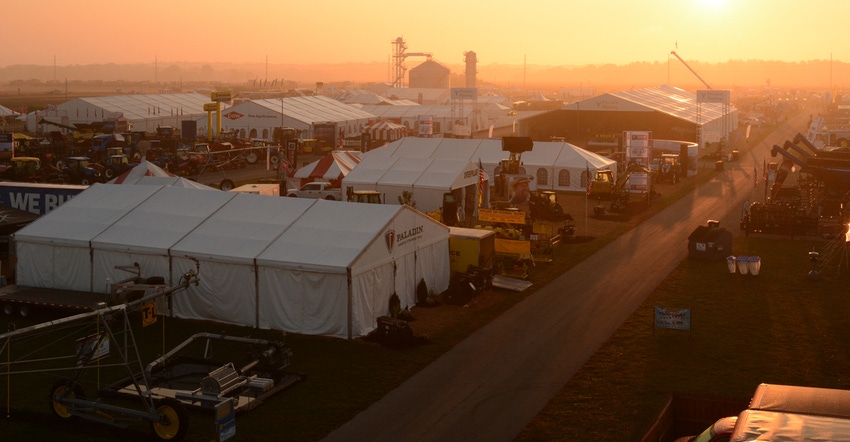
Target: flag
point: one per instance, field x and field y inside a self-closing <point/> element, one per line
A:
<point x="587" y="179"/>
<point x="480" y="182"/>
<point x="755" y="178"/>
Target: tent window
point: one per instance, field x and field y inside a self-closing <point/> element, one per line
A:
<point x="265" y="134"/>
<point x="253" y="134"/>
<point x="542" y="177"/>
<point x="564" y="178"/>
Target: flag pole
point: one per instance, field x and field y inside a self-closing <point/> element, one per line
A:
<point x="586" y="233"/>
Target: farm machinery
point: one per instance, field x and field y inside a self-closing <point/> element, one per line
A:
<point x="80" y="350"/>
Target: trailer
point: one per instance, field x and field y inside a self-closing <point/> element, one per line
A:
<point x="22" y="300"/>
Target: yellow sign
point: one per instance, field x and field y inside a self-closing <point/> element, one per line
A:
<point x="513" y="247"/>
<point x="211" y="107"/>
<point x="149" y="314"/>
<point x="501" y="216"/>
<point x="220" y="96"/>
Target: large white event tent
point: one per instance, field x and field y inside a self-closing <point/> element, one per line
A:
<point x="555" y="165"/>
<point x="304" y="266"/>
<point x="426" y="179"/>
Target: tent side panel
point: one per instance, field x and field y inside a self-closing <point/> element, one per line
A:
<point x="75" y="272"/>
<point x="225" y="293"/>
<point x="34" y="265"/>
<point x="434" y="266"/>
<point x="309" y="303"/>
<point x="371" y="291"/>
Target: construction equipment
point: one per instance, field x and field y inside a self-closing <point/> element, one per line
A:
<point x="673" y="53"/>
<point x="669" y="169"/>
<point x="636" y="181"/>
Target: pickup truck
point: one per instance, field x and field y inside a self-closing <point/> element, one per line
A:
<point x="318" y="189"/>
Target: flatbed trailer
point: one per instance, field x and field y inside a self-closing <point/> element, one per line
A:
<point x="22" y="300"/>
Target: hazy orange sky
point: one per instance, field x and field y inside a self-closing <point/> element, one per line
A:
<point x="551" y="32"/>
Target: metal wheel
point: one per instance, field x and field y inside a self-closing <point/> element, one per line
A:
<point x="85" y="181"/>
<point x="109" y="173"/>
<point x="252" y="157"/>
<point x="174" y="422"/>
<point x="61" y="389"/>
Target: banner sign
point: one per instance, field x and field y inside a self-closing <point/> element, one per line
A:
<point x="675" y="318"/>
<point x="501" y="216"/>
<point x="714" y="96"/>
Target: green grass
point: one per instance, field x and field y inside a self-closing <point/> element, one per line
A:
<point x="778" y="327"/>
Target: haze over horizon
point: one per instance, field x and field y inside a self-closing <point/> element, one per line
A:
<point x="729" y="43"/>
<point x="545" y="33"/>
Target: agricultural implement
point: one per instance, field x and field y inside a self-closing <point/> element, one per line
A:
<point x="102" y="342"/>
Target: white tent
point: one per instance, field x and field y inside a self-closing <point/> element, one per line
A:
<point x="427" y="179"/>
<point x="303" y="266"/>
<point x="555" y="165"/>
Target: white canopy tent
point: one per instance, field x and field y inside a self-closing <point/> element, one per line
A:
<point x="555" y="165"/>
<point x="303" y="266"/>
<point x="427" y="179"/>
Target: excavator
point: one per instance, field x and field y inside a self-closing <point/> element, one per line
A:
<point x="604" y="186"/>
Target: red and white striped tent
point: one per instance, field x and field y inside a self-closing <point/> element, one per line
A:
<point x="332" y="167"/>
<point x="386" y="131"/>
<point x="151" y="174"/>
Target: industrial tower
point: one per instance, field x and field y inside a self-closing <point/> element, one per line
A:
<point x="399" y="55"/>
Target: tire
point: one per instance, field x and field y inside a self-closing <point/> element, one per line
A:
<point x="292" y="195"/>
<point x="85" y="181"/>
<point x="330" y="198"/>
<point x="109" y="173"/>
<point x="275" y="160"/>
<point x="252" y="157"/>
<point x="176" y="423"/>
<point x="60" y="388"/>
<point x="226" y="185"/>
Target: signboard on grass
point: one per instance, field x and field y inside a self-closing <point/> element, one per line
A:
<point x="675" y="318"/>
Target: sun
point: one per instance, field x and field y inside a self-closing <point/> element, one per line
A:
<point x="712" y="4"/>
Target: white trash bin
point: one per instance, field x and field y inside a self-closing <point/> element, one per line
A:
<point x="754" y="265"/>
<point x="742" y="264"/>
<point x="730" y="263"/>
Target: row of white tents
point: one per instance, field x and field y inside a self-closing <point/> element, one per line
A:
<point x="299" y="265"/>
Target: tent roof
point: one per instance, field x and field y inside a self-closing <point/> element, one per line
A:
<point x="93" y="211"/>
<point x="333" y="166"/>
<point x="142" y="106"/>
<point x="303" y="233"/>
<point x="6" y="112"/>
<point x="315" y="109"/>
<point x="665" y="99"/>
<point x="331" y="235"/>
<point x="159" y="222"/>
<point x="147" y="173"/>
<point x="230" y="235"/>
<point x="488" y="151"/>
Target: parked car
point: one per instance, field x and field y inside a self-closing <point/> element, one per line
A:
<point x="318" y="189"/>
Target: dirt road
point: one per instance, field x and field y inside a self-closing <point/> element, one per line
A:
<point x="492" y="384"/>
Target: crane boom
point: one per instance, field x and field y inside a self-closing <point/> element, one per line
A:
<point x="690" y="69"/>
